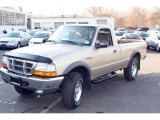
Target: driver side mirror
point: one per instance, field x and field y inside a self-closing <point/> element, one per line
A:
<point x="101" y="45"/>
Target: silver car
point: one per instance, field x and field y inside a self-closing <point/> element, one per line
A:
<point x="1" y="34"/>
<point x="153" y="41"/>
<point x="14" y="39"/>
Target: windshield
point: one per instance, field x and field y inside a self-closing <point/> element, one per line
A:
<point x="13" y="34"/>
<point x="41" y="35"/>
<point x="80" y="35"/>
<point x="32" y="33"/>
<point x="119" y="33"/>
<point x="143" y="34"/>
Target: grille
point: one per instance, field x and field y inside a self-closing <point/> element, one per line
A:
<point x="21" y="66"/>
<point x="4" y="41"/>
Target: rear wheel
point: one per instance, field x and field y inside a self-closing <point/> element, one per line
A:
<point x="157" y="47"/>
<point x="72" y="90"/>
<point x="22" y="91"/>
<point x="130" y="73"/>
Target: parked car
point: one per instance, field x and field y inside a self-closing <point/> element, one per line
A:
<point x="145" y="29"/>
<point x="143" y="34"/>
<point x="1" y="34"/>
<point x="14" y="39"/>
<point x="126" y="30"/>
<point x="32" y="32"/>
<point x="40" y="37"/>
<point x="130" y="37"/>
<point x="119" y="34"/>
<point x="79" y="55"/>
<point x="153" y="41"/>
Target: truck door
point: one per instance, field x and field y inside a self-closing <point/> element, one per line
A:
<point x="106" y="58"/>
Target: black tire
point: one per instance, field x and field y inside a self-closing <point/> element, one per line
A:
<point x="22" y="91"/>
<point x="148" y="46"/>
<point x="130" y="73"/>
<point x="72" y="90"/>
<point x="157" y="48"/>
<point x="18" y="45"/>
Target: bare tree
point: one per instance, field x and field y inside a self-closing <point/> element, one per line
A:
<point x="153" y="18"/>
<point x="136" y="17"/>
<point x="100" y="12"/>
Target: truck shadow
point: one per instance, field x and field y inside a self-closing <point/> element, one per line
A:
<point x="117" y="95"/>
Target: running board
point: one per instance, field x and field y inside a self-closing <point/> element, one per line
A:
<point x="105" y="77"/>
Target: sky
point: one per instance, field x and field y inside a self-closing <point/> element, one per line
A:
<point x="55" y="7"/>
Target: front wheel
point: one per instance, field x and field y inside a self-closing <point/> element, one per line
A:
<point x="22" y="91"/>
<point x="157" y="47"/>
<point x="130" y="73"/>
<point x="72" y="90"/>
<point x="148" y="45"/>
<point x="18" y="45"/>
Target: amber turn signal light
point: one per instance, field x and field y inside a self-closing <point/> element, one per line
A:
<point x="4" y="65"/>
<point x="44" y="74"/>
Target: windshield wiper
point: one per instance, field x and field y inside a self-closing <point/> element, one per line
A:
<point x="71" y="42"/>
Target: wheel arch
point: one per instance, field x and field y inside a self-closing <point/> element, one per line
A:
<point x="82" y="68"/>
<point x="135" y="54"/>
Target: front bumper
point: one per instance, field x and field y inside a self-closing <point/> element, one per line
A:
<point x="6" y="45"/>
<point x="38" y="84"/>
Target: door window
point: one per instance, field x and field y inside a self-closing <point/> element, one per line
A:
<point x="104" y="35"/>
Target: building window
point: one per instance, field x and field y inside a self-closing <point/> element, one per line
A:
<point x="82" y="22"/>
<point x="1" y="17"/>
<point x="57" y="24"/>
<point x="37" y="25"/>
<point x="12" y="18"/>
<point x="46" y="24"/>
<point x="102" y="22"/>
<point x="70" y="22"/>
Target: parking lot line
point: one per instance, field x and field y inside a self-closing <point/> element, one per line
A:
<point x="51" y="105"/>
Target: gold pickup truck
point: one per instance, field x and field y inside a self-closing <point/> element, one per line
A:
<point x="73" y="58"/>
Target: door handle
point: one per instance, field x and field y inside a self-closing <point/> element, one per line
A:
<point x="114" y="51"/>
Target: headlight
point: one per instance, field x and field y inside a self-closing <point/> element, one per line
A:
<point x="4" y="62"/>
<point x="45" y="70"/>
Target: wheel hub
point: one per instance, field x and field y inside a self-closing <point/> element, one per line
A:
<point x="134" y="69"/>
<point x="78" y="91"/>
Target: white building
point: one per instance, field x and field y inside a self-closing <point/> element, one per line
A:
<point x="56" y="22"/>
<point x="14" y="19"/>
<point x="42" y="23"/>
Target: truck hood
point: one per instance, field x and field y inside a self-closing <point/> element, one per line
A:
<point x="48" y="50"/>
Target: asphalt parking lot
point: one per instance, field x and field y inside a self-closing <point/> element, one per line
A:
<point x="111" y="96"/>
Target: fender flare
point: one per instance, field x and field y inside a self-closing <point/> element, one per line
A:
<point x="77" y="64"/>
<point x="133" y="54"/>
